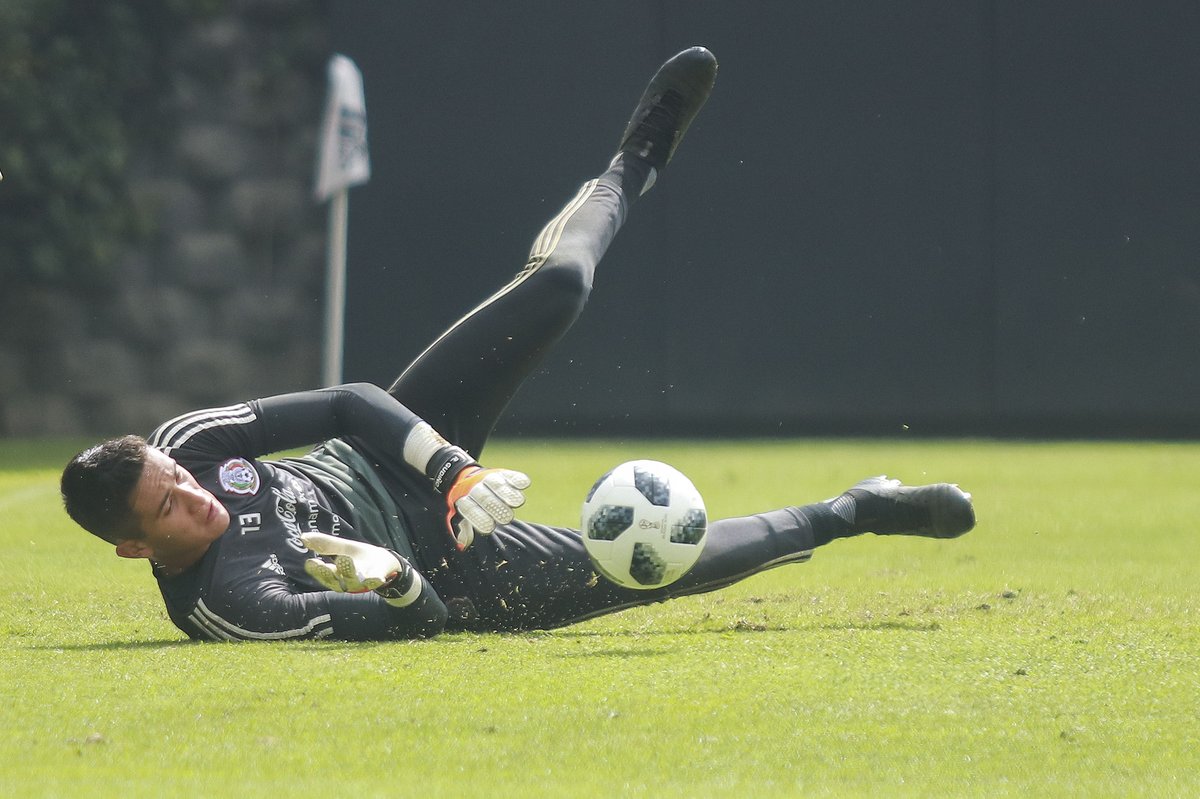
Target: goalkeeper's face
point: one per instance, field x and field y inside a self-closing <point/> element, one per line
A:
<point x="178" y="518"/>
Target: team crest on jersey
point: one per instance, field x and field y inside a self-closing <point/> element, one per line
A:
<point x="237" y="476"/>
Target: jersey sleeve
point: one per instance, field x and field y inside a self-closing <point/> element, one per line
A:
<point x="262" y="426"/>
<point x="270" y="609"/>
<point x="304" y="418"/>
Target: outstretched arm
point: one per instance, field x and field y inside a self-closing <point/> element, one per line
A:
<point x="269" y="608"/>
<point x="477" y="499"/>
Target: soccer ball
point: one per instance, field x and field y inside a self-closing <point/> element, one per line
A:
<point x="644" y="524"/>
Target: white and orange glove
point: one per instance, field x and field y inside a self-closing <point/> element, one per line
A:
<point x="477" y="499"/>
<point x="355" y="567"/>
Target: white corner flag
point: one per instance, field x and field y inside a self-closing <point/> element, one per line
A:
<point x="342" y="162"/>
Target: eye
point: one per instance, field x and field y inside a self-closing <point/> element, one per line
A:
<point x="170" y="503"/>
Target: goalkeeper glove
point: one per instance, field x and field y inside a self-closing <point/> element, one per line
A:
<point x="358" y="567"/>
<point x="479" y="499"/>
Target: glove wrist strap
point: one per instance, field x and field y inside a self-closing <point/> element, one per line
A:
<point x="404" y="588"/>
<point x="445" y="466"/>
<point x="427" y="451"/>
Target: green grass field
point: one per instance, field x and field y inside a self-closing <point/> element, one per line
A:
<point x="1051" y="652"/>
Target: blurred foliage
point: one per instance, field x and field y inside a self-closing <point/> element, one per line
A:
<point x="81" y="86"/>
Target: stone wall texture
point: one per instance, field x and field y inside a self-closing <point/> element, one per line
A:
<point x="224" y="301"/>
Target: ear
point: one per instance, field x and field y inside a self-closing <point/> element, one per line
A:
<point x="131" y="548"/>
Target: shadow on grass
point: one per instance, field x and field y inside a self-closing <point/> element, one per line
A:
<point x="736" y="627"/>
<point x="116" y="646"/>
<point x="621" y="653"/>
<point x="172" y="643"/>
<point x="877" y="626"/>
<point x="740" y="627"/>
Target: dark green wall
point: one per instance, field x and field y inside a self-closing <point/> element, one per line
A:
<point x="893" y="217"/>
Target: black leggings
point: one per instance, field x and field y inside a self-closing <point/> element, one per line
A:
<point x="526" y="575"/>
<point x="463" y="381"/>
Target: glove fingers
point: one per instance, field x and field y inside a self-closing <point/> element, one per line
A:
<point x="516" y="479"/>
<point x="504" y="489"/>
<point x="481" y="499"/>
<point x="345" y="567"/>
<point x="348" y="572"/>
<point x="464" y="533"/>
<point x="357" y="567"/>
<point x="497" y="509"/>
<point x="324" y="573"/>
<point x="477" y="515"/>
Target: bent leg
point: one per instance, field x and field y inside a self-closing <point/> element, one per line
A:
<point x="463" y="381"/>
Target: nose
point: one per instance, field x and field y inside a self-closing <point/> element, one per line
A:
<point x="197" y="497"/>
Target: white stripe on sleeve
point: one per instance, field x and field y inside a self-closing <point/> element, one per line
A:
<point x="222" y="629"/>
<point x="176" y="432"/>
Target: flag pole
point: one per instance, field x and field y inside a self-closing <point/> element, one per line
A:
<point x="342" y="162"/>
<point x="335" y="289"/>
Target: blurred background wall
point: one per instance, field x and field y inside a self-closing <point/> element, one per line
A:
<point x="159" y="247"/>
<point x="902" y="218"/>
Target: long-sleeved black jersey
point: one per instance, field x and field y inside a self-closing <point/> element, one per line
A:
<point x="251" y="583"/>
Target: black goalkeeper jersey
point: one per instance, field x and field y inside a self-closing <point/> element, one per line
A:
<point x="251" y="583"/>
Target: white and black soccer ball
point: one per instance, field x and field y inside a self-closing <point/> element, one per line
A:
<point x="644" y="524"/>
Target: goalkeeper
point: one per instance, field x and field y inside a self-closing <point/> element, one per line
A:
<point x="390" y="527"/>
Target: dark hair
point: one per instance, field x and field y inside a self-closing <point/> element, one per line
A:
<point x="97" y="487"/>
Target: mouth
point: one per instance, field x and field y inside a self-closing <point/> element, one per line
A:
<point x="212" y="511"/>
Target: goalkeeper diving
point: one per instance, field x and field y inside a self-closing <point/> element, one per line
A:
<point x="391" y="526"/>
